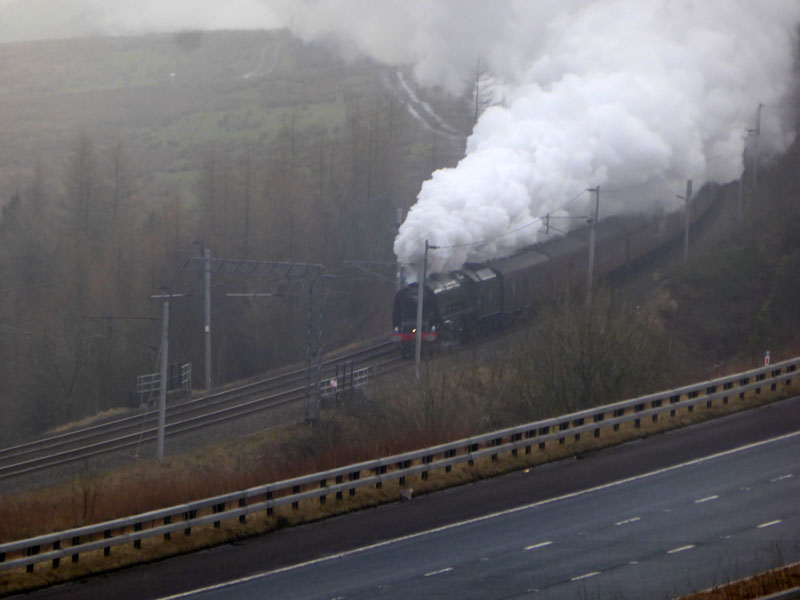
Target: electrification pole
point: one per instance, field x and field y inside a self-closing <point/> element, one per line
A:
<point x="739" y="199"/>
<point x="162" y="383"/>
<point x="399" y="274"/>
<point x="688" y="199"/>
<point x="281" y="271"/>
<point x="423" y="274"/>
<point x="592" y="241"/>
<point x="207" y="302"/>
<point x="757" y="132"/>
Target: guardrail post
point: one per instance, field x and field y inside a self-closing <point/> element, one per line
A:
<point x="449" y="454"/>
<point x="354" y="476"/>
<point x="107" y="549"/>
<point x="270" y="510"/>
<point x="75" y="541"/>
<point x="56" y="546"/>
<point x="339" y="479"/>
<point x="578" y="423"/>
<point x="167" y="521"/>
<point x="218" y="508"/>
<point x="379" y="471"/>
<point x="760" y="377"/>
<point x="426" y="460"/>
<point x="528" y="435"/>
<point x="515" y="438"/>
<point x="188" y="516"/>
<point x="323" y="484"/>
<point x="472" y="448"/>
<point x="242" y="504"/>
<point x="31" y="551"/>
<point x="296" y="490"/>
<point x="137" y="544"/>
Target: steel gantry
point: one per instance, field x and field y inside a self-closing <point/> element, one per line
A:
<point x="313" y="275"/>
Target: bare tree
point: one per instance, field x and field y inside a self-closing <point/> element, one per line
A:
<point x="479" y="89"/>
<point x="82" y="185"/>
<point x="579" y="356"/>
<point x="121" y="184"/>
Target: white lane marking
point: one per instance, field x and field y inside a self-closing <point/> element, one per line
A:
<point x="509" y="511"/>
<point x="769" y="524"/>
<point x="439" y="572"/>
<point x="628" y="521"/>
<point x="681" y="549"/>
<point x="781" y="478"/>
<point x="706" y="499"/>
<point x="585" y="576"/>
<point x="539" y="545"/>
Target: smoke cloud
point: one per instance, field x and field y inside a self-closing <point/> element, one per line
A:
<point x="635" y="96"/>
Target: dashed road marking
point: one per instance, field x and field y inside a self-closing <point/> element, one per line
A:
<point x="439" y="572"/>
<point x="628" y="521"/>
<point x="769" y="524"/>
<point x="781" y="478"/>
<point x="536" y="546"/>
<point x="585" y="576"/>
<point x="681" y="549"/>
<point x="483" y="518"/>
<point x="706" y="499"/>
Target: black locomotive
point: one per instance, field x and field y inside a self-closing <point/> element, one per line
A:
<point x="480" y="297"/>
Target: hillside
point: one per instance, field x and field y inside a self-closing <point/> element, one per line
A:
<point x="125" y="156"/>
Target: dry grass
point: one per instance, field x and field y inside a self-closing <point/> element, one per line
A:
<point x="236" y="465"/>
<point x="106" y="415"/>
<point x="763" y="584"/>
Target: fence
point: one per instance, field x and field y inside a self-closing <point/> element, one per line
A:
<point x="346" y="379"/>
<point x="346" y="480"/>
<point x="179" y="376"/>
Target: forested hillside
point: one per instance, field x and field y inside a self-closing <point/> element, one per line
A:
<point x="124" y="157"/>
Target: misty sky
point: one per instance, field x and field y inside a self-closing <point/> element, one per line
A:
<point x="637" y="95"/>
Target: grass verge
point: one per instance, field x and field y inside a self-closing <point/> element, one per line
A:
<point x="763" y="584"/>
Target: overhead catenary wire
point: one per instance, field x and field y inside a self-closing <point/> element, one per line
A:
<point x="510" y="231"/>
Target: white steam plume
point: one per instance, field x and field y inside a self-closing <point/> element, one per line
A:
<point x="636" y="97"/>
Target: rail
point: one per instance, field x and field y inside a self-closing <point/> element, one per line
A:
<point x="335" y="483"/>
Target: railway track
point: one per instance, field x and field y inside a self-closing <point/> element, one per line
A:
<point x="225" y="405"/>
<point x="229" y="404"/>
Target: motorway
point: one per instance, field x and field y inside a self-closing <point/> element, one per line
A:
<point x="624" y="522"/>
<point x="660" y="535"/>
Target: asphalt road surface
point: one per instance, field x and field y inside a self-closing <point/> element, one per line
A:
<point x="653" y="536"/>
<point x="570" y="529"/>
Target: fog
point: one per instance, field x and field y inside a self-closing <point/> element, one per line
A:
<point x="633" y="96"/>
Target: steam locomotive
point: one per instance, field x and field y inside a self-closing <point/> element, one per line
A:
<point x="479" y="298"/>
